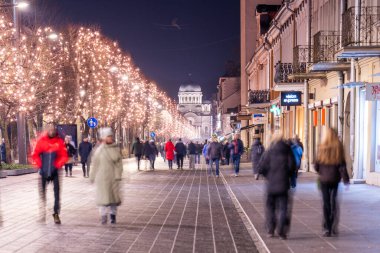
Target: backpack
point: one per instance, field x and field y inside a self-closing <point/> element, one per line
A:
<point x="297" y="153"/>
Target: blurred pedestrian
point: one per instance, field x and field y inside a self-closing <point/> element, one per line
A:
<point x="192" y="152"/>
<point x="199" y="148"/>
<point x="70" y="154"/>
<point x="180" y="150"/>
<point x="297" y="150"/>
<point x="257" y="150"/>
<point x="85" y="148"/>
<point x="150" y="152"/>
<point x="137" y="149"/>
<point x="237" y="149"/>
<point x="162" y="151"/>
<point x="204" y="152"/>
<point x="50" y="155"/>
<point x="3" y="152"/>
<point x="227" y="153"/>
<point x="277" y="166"/>
<point x="169" y="150"/>
<point x="106" y="172"/>
<point x="214" y="154"/>
<point x="331" y="167"/>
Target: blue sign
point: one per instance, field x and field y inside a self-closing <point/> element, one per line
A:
<point x="153" y="135"/>
<point x="291" y="98"/>
<point x="92" y="122"/>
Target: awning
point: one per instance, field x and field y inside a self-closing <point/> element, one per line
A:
<point x="330" y="66"/>
<point x="359" y="52"/>
<point x="349" y="85"/>
<point x="310" y="75"/>
<point x="288" y="87"/>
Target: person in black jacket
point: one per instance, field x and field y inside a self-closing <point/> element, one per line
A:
<point x="150" y="152"/>
<point x="227" y="153"/>
<point x="192" y="152"/>
<point x="277" y="166"/>
<point x="257" y="150"/>
<point x="70" y="153"/>
<point x="84" y="151"/>
<point x="214" y="154"/>
<point x="180" y="150"/>
<point x="199" y="148"/>
<point x="137" y="149"/>
<point x="331" y="167"/>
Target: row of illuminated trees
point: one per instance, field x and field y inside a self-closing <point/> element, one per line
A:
<point x="78" y="73"/>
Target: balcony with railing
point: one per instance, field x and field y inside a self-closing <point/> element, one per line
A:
<point x="326" y="46"/>
<point x="258" y="97"/>
<point x="368" y="23"/>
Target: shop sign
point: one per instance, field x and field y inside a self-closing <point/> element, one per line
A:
<point x="327" y="102"/>
<point x="259" y="118"/>
<point x="276" y="110"/>
<point x="291" y="98"/>
<point x="372" y="92"/>
<point x="318" y="104"/>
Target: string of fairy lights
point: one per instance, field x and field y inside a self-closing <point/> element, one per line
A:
<point x="80" y="73"/>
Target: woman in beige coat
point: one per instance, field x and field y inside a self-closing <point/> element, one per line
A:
<point x="106" y="172"/>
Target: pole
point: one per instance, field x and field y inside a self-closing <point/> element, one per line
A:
<point x="340" y="107"/>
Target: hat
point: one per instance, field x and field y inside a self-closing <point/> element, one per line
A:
<point x="104" y="132"/>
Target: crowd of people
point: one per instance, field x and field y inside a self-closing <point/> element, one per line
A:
<point x="279" y="164"/>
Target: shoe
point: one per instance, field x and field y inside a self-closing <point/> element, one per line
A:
<point x="327" y="234"/>
<point x="217" y="176"/>
<point x="270" y="235"/>
<point x="56" y="219"/>
<point x="236" y="175"/>
<point x="283" y="237"/>
<point x="104" y="219"/>
<point x="113" y="218"/>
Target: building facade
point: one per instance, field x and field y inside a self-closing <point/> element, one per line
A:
<point x="196" y="110"/>
<point x="327" y="51"/>
<point x="228" y="103"/>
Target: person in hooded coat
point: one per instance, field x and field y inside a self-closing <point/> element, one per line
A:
<point x="169" y="151"/>
<point x="106" y="171"/>
<point x="257" y="150"/>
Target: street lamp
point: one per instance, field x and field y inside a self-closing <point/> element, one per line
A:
<point x="53" y="36"/>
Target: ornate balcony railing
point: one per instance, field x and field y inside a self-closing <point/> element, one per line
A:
<point x="326" y="45"/>
<point x="368" y="22"/>
<point x="301" y="56"/>
<point x="259" y="96"/>
<point x="283" y="70"/>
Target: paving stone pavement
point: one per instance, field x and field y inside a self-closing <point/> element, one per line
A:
<point x="359" y="226"/>
<point x="162" y="211"/>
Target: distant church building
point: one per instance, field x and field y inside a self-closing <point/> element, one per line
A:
<point x="195" y="110"/>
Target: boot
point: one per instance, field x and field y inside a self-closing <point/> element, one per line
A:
<point x="113" y="218"/>
<point x="56" y="219"/>
<point x="104" y="219"/>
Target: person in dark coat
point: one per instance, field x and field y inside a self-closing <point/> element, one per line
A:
<point x="227" y="153"/>
<point x="181" y="151"/>
<point x="192" y="152"/>
<point x="3" y="152"/>
<point x="331" y="167"/>
<point x="237" y="149"/>
<point x="214" y="154"/>
<point x="199" y="149"/>
<point x="85" y="148"/>
<point x="70" y="154"/>
<point x="257" y="150"/>
<point x="277" y="166"/>
<point x="137" y="149"/>
<point x="150" y="152"/>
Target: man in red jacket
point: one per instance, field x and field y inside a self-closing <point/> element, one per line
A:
<point x="49" y="156"/>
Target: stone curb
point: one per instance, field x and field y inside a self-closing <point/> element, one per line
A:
<point x="20" y="172"/>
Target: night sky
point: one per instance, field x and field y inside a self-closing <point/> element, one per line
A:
<point x="171" y="41"/>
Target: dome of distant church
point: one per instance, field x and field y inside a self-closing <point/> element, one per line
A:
<point x="190" y="88"/>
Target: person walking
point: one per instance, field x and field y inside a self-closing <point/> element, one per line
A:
<point x="137" y="150"/>
<point x="169" y="151"/>
<point x="192" y="152"/>
<point x="180" y="150"/>
<point x="3" y="152"/>
<point x="331" y="167"/>
<point x="227" y="153"/>
<point x="49" y="156"/>
<point x="70" y="154"/>
<point x="277" y="167"/>
<point x="162" y="151"/>
<point x="150" y="152"/>
<point x="199" y="148"/>
<point x="237" y="149"/>
<point x="106" y="172"/>
<point x="257" y="150"/>
<point x="214" y="154"/>
<point x="85" y="148"/>
<point x="297" y="150"/>
<point x="204" y="152"/>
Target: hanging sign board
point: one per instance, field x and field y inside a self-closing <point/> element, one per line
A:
<point x="259" y="118"/>
<point x="372" y="92"/>
<point x="291" y="98"/>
